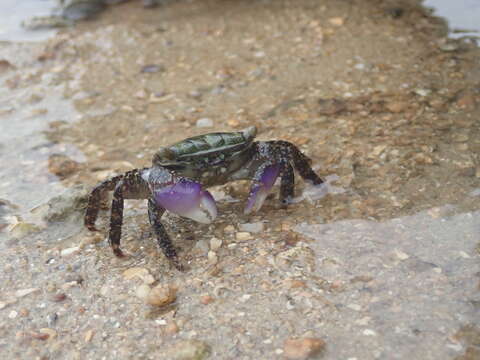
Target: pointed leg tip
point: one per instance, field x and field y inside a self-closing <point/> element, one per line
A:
<point x="180" y="268"/>
<point x="248" y="210"/>
<point x="118" y="253"/>
<point x="91" y="227"/>
<point x="178" y="265"/>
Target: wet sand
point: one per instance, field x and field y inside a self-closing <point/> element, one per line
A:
<point x="386" y="267"/>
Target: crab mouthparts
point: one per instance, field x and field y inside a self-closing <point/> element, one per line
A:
<point x="187" y="198"/>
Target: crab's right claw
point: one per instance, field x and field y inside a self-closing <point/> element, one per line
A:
<point x="187" y="198"/>
<point x="260" y="189"/>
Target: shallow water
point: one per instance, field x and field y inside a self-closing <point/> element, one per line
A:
<point x="424" y="264"/>
<point x="25" y="147"/>
<point x="462" y="16"/>
<point x="13" y="12"/>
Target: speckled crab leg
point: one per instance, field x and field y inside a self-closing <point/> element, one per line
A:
<point x="286" y="151"/>
<point x="94" y="201"/>
<point x="116" y="220"/>
<point x="279" y="157"/>
<point x="155" y="213"/>
<point x="131" y="181"/>
<point x="287" y="185"/>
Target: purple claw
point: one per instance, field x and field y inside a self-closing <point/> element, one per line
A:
<point x="261" y="188"/>
<point x="186" y="198"/>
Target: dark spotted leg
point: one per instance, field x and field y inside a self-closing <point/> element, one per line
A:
<point x="95" y="199"/>
<point x="277" y="157"/>
<point x="287" y="184"/>
<point x="130" y="186"/>
<point x="287" y="151"/>
<point x="154" y="214"/>
<point x="116" y="219"/>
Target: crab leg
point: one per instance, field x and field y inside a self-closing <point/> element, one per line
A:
<point x="287" y="185"/>
<point x="116" y="219"/>
<point x="278" y="157"/>
<point x="96" y="196"/>
<point x="131" y="186"/>
<point x="155" y="213"/>
<point x="263" y="181"/>
<point x="300" y="161"/>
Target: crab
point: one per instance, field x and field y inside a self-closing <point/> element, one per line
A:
<point x="179" y="174"/>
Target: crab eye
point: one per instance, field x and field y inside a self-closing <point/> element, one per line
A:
<point x="187" y="198"/>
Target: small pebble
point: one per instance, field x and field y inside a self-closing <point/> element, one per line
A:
<point x="243" y="236"/>
<point x="401" y="255"/>
<point x="25" y="292"/>
<point x="188" y="350"/>
<point x="204" y="122"/>
<point x="142" y="291"/>
<point x="22" y="229"/>
<point x="50" y="332"/>
<point x="245" y="297"/>
<point x="215" y="244"/>
<point x="141" y="94"/>
<point x="448" y="46"/>
<point x="59" y="297"/>
<point x="295" y="284"/>
<point x="359" y="66"/>
<point x="202" y="246"/>
<point x="152" y="68"/>
<point x="229" y="229"/>
<point x="69" y="251"/>
<point x="161" y="322"/>
<point x="467" y="101"/>
<point x="195" y="94"/>
<point x="172" y="328"/>
<point x="363" y="321"/>
<point x="212" y="257"/>
<point x="39" y="335"/>
<point x="88" y="335"/>
<point x="397" y="107"/>
<point x="142" y="273"/>
<point x="336" y="21"/>
<point x="304" y="348"/>
<point x="354" y="307"/>
<point x="207" y="299"/>
<point x="423" y="92"/>
<point x="12" y="314"/>
<point x="62" y="166"/>
<point x="162" y="295"/>
<point x="255" y="227"/>
<point x="52" y="319"/>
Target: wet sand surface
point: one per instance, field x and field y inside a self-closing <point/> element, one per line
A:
<point x="385" y="266"/>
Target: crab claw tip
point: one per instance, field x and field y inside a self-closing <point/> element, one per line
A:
<point x="260" y="189"/>
<point x="206" y="210"/>
<point x="256" y="199"/>
<point x="186" y="198"/>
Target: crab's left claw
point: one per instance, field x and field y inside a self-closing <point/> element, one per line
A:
<point x="187" y="198"/>
<point x="261" y="187"/>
